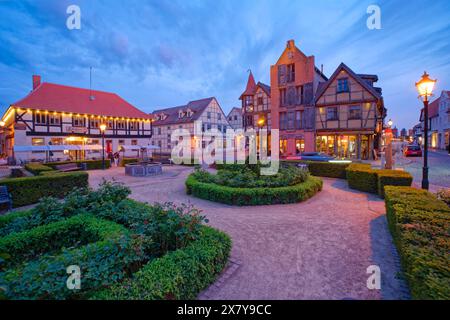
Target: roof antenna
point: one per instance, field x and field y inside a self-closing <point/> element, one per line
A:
<point x="91" y="96"/>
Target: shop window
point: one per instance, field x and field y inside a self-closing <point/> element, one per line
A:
<point x="283" y="146"/>
<point x="299" y="146"/>
<point x="57" y="141"/>
<point x="37" y="142"/>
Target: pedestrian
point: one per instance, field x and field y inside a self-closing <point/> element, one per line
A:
<point x="116" y="159"/>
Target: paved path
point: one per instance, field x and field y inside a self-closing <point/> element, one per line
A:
<point x="319" y="249"/>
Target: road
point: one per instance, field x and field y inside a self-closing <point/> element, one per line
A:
<point x="439" y="168"/>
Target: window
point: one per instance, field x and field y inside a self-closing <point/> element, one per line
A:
<point x="208" y="115"/>
<point x="37" y="141"/>
<point x="208" y="126"/>
<point x="342" y="85"/>
<point x="235" y="118"/>
<point x="134" y="125"/>
<point x="283" y="121"/>
<point x="40" y="118"/>
<point x="54" y="119"/>
<point x="94" y="123"/>
<point x="57" y="141"/>
<point x="110" y="124"/>
<point x="219" y="127"/>
<point x="290" y="121"/>
<point x="121" y="142"/>
<point x="298" y="119"/>
<point x="299" y="95"/>
<point x="219" y="116"/>
<point x="283" y="97"/>
<point x="260" y="101"/>
<point x="332" y="113"/>
<point x="121" y="125"/>
<point x="290" y="72"/>
<point x="354" y="112"/>
<point x="78" y="121"/>
<point x="230" y="118"/>
<point x="134" y="142"/>
<point x="159" y="130"/>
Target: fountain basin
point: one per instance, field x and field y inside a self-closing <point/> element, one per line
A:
<point x="143" y="169"/>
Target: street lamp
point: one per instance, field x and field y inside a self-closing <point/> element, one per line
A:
<point x="390" y="123"/>
<point x="102" y="130"/>
<point x="425" y="88"/>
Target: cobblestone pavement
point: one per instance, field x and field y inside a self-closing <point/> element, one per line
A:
<point x="318" y="249"/>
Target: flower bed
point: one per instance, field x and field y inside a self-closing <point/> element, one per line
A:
<point x="420" y="225"/>
<point x="242" y="186"/>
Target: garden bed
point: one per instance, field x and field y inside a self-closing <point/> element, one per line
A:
<point x="242" y="185"/>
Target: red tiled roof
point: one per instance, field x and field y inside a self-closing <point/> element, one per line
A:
<point x="60" y="98"/>
<point x="251" y="86"/>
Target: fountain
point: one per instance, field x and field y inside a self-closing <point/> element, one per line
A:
<point x="144" y="167"/>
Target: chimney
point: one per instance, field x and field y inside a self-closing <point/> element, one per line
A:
<point x="290" y="44"/>
<point x="36" y="81"/>
<point x="321" y="68"/>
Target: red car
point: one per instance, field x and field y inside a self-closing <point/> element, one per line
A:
<point x="413" y="151"/>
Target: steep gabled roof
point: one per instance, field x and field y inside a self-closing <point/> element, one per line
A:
<point x="196" y="106"/>
<point x="235" y="109"/>
<point x="264" y="87"/>
<point x="61" y="98"/>
<point x="251" y="86"/>
<point x="343" y="66"/>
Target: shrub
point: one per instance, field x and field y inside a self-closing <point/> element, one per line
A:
<point x="253" y="196"/>
<point x="323" y="169"/>
<point x="13" y="221"/>
<point x="36" y="168"/>
<point x="102" y="263"/>
<point x="90" y="164"/>
<point x="420" y="225"/>
<point x="78" y="230"/>
<point x="392" y="178"/>
<point x="29" y="190"/>
<point x="444" y="195"/>
<point x="362" y="177"/>
<point x="180" y="274"/>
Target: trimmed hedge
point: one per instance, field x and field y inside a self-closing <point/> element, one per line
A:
<point x="253" y="196"/>
<point x="102" y="263"/>
<point x="91" y="164"/>
<point x="179" y="274"/>
<point x="36" y="168"/>
<point x="420" y="226"/>
<point x="392" y="178"/>
<point x="29" y="190"/>
<point x="323" y="169"/>
<point x="362" y="177"/>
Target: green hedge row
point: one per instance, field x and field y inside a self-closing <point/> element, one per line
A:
<point x="362" y="177"/>
<point x="322" y="169"/>
<point x="36" y="168"/>
<point x="420" y="226"/>
<point x="253" y="196"/>
<point x="179" y="274"/>
<point x="78" y="230"/>
<point x="102" y="263"/>
<point x="125" y="161"/>
<point x="91" y="164"/>
<point x="29" y="190"/>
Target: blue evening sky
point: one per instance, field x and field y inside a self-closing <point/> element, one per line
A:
<point x="165" y="53"/>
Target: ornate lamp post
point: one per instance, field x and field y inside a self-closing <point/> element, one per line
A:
<point x="102" y="130"/>
<point x="388" y="152"/>
<point x="425" y="88"/>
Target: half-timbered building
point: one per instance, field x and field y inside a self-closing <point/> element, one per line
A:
<point x="349" y="114"/>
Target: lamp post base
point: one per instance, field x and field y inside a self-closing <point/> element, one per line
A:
<point x="425" y="183"/>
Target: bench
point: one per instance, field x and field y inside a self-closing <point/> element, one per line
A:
<point x="5" y="197"/>
<point x="67" y="167"/>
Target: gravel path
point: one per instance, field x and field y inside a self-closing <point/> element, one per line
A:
<point x="318" y="249"/>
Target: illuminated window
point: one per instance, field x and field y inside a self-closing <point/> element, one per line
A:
<point x="37" y="141"/>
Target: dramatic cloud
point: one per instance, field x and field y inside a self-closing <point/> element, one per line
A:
<point x="165" y="53"/>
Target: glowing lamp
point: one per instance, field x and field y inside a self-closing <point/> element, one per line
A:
<point x="102" y="127"/>
<point x="425" y="86"/>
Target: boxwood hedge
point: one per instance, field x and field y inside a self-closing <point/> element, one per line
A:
<point x="90" y="164"/>
<point x="101" y="263"/>
<point x="29" y="190"/>
<point x="420" y="225"/>
<point x="322" y="169"/>
<point x="253" y="196"/>
<point x="36" y="168"/>
<point x="179" y="274"/>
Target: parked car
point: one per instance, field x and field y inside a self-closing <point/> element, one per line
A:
<point x="413" y="151"/>
<point x="315" y="156"/>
